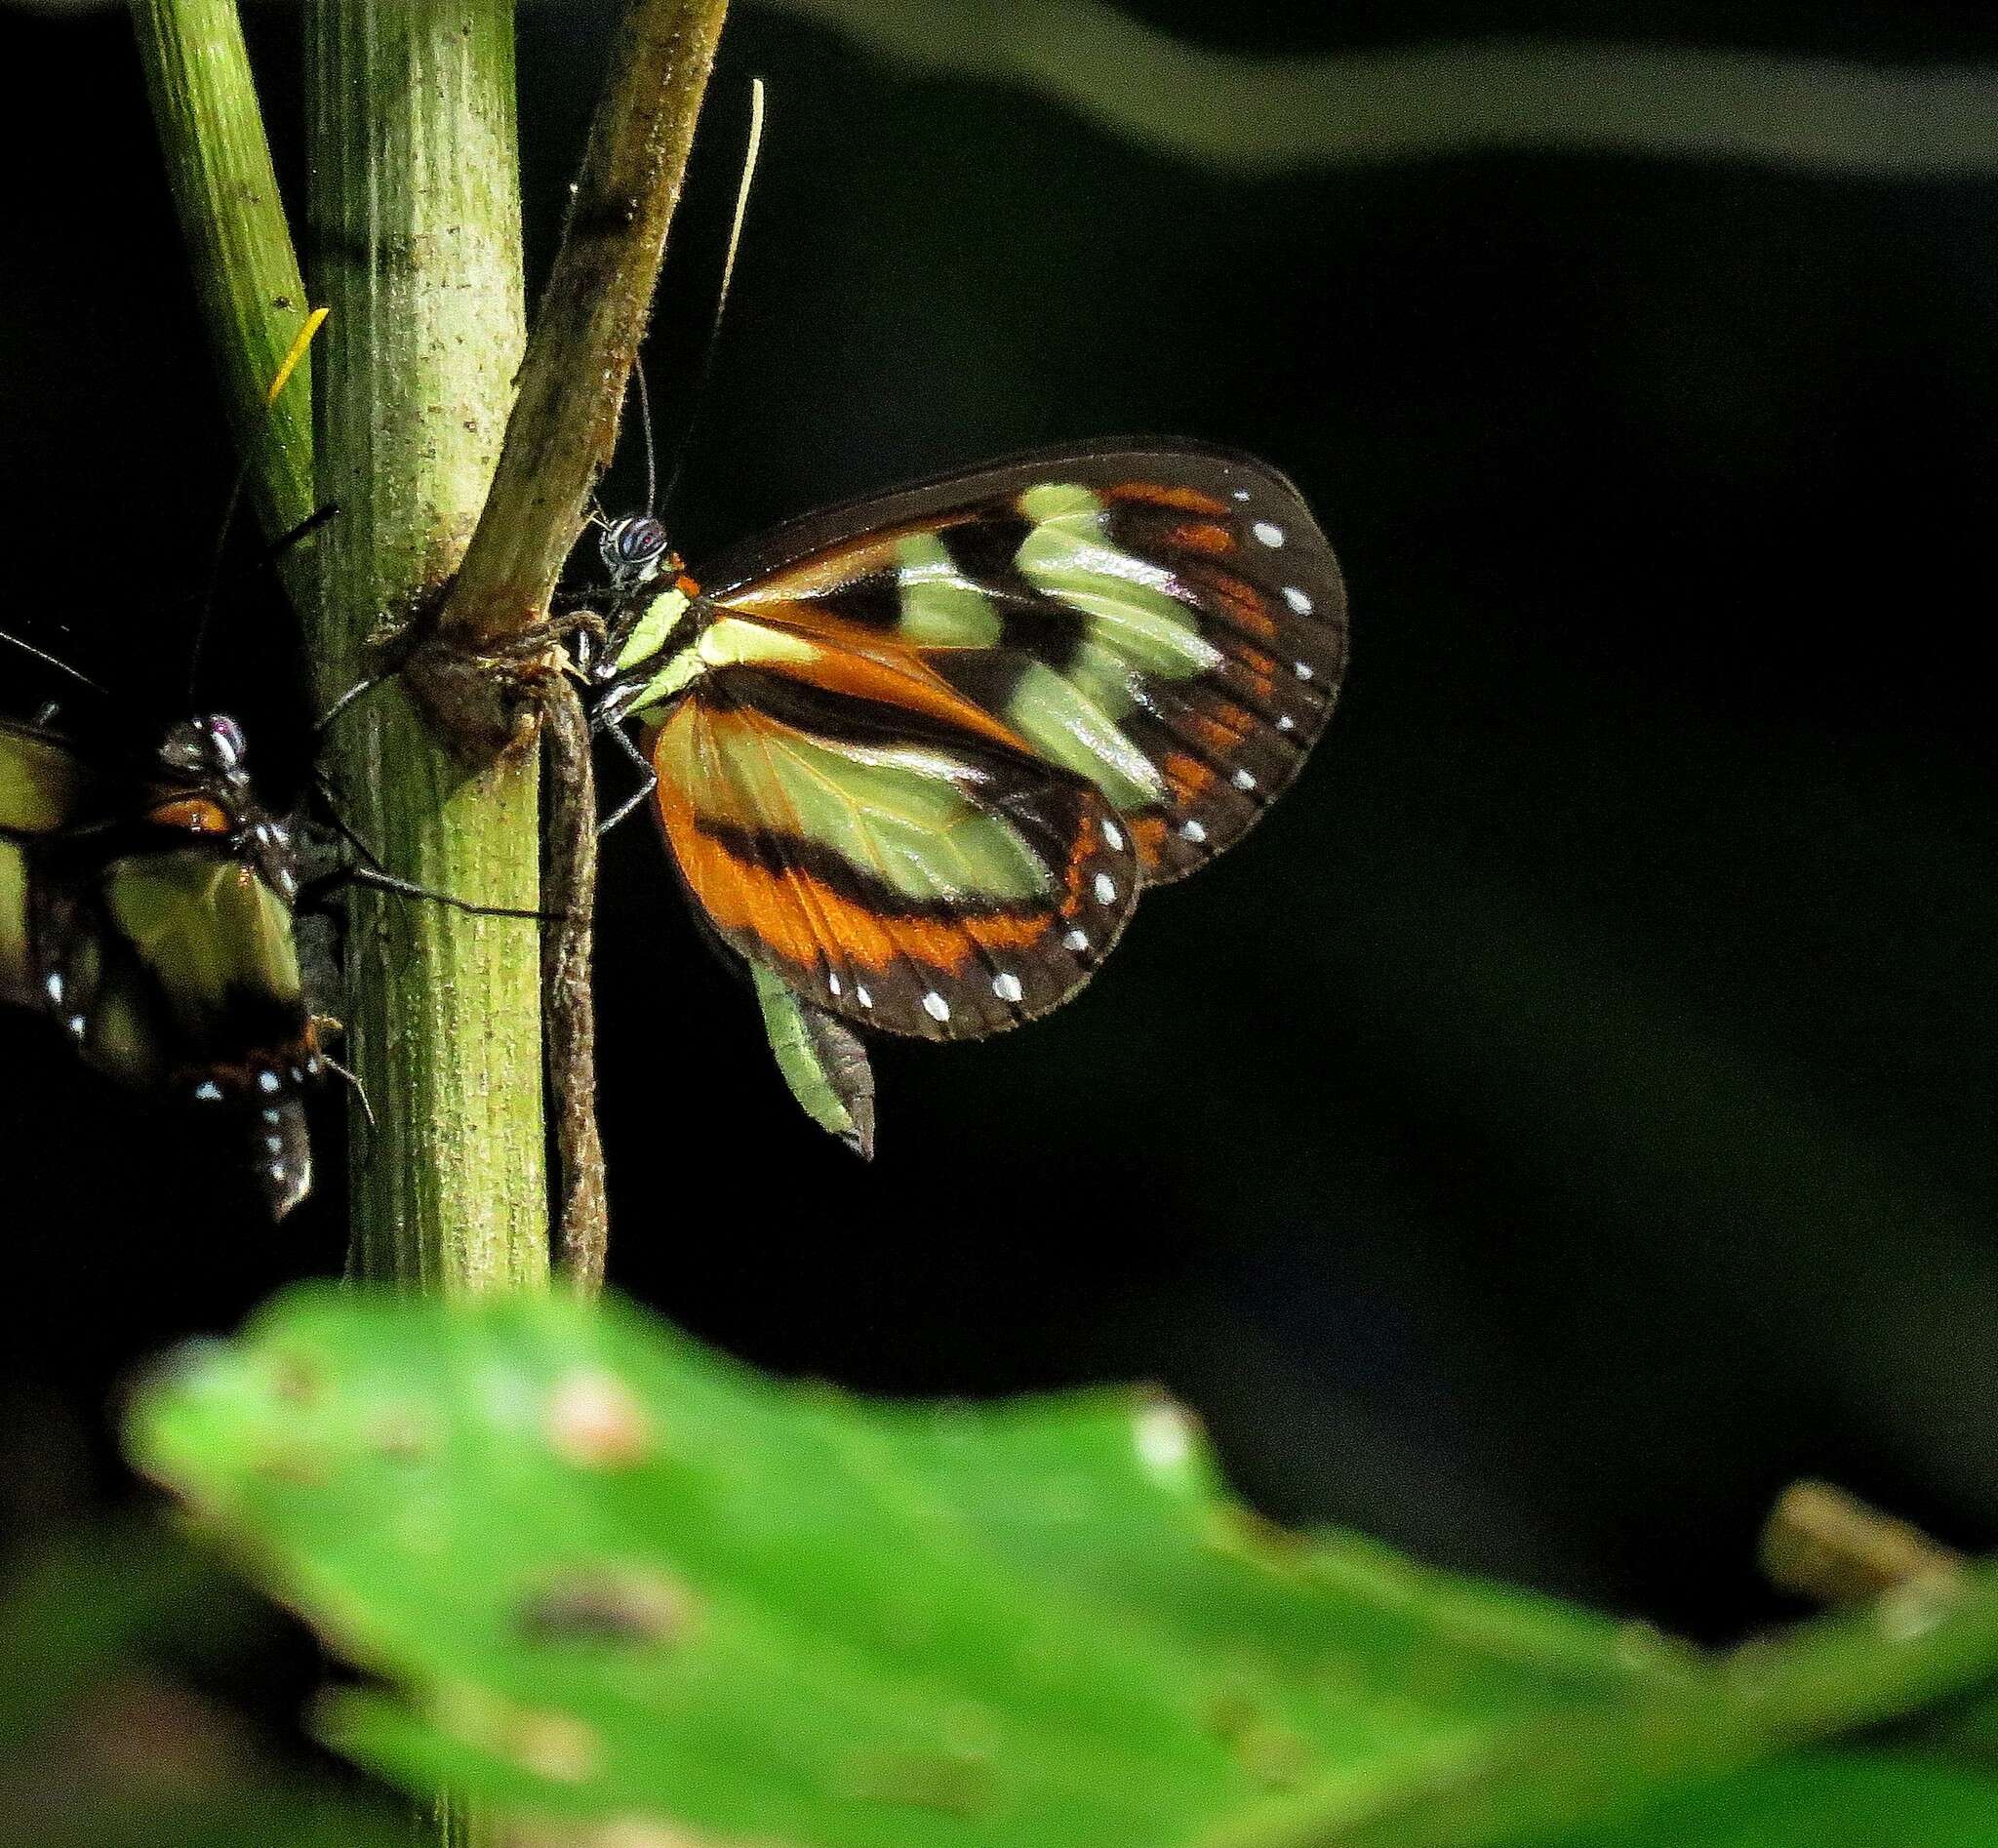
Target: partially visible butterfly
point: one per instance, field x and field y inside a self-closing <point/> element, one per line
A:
<point x="147" y="908"/>
<point x="917" y="756"/>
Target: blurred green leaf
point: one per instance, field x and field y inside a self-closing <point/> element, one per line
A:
<point x="609" y="1575"/>
<point x="1268" y="114"/>
<point x="1819" y="1800"/>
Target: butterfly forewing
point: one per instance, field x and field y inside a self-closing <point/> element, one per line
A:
<point x="1166" y="621"/>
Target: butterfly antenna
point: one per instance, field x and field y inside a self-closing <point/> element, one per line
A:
<point x="645" y="419"/>
<point x="53" y="661"/>
<point x="700" y="384"/>
<point x="215" y="580"/>
<point x="286" y="367"/>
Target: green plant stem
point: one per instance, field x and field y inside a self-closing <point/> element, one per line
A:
<point x="559" y="438"/>
<point x="218" y="162"/>
<point x="416" y="248"/>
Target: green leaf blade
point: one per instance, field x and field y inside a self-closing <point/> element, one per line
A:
<point x="609" y="1575"/>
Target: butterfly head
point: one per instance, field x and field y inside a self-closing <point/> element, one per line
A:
<point x="211" y="749"/>
<point x="634" y="550"/>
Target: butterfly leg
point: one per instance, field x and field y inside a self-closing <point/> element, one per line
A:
<point x="573" y="620"/>
<point x="304" y="529"/>
<point x="322" y="785"/>
<point x="367" y="869"/>
<point x="644" y="788"/>
<point x="363" y="875"/>
<point x="358" y="691"/>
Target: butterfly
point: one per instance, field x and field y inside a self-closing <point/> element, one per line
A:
<point x="147" y="908"/>
<point x="917" y="756"/>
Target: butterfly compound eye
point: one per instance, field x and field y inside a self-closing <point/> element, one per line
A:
<point x="632" y="549"/>
<point x="226" y="739"/>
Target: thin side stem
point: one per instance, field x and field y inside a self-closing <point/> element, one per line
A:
<point x="416" y="248"/>
<point x="569" y="885"/>
<point x="1822" y="1542"/>
<point x="218" y="161"/>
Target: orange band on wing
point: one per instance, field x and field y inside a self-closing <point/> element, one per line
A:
<point x="1238" y="599"/>
<point x="849" y="660"/>
<point x="793" y="915"/>
<point x="806" y="920"/>
<point x="1162" y="493"/>
<point x="1186" y="776"/>
<point x="1203" y="535"/>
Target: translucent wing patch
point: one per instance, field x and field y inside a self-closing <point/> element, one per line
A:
<point x="901" y="871"/>
<point x="1167" y="623"/>
<point x="45" y="785"/>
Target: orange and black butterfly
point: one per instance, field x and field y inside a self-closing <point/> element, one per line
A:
<point x="918" y="756"/>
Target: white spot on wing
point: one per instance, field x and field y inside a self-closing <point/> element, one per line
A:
<point x="1007" y="986"/>
<point x="1297" y="599"/>
<point x="1243" y="781"/>
<point x="1286" y="723"/>
<point x="269" y="1116"/>
<point x="1075" y="940"/>
<point x="863" y="997"/>
<point x="268" y="1082"/>
<point x="1105" y="889"/>
<point x="1270" y="533"/>
<point x="1304" y="670"/>
<point x="936" y="1006"/>
<point x="832" y="982"/>
<point x="1192" y="831"/>
<point x="53" y="985"/>
<point x="1114" y="835"/>
<point x="275" y="1143"/>
<point x="78" y="1024"/>
<point x="208" y="1092"/>
<point x="1241" y="494"/>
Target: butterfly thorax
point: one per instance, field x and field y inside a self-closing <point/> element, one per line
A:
<point x="653" y="653"/>
<point x="205" y="789"/>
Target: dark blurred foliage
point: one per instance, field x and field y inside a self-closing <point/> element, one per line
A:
<point x="1567" y="1119"/>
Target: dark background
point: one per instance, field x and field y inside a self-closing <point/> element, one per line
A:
<point x="1565" y="1122"/>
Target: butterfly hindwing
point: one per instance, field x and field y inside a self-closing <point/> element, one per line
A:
<point x="902" y="872"/>
<point x="1167" y="621"/>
